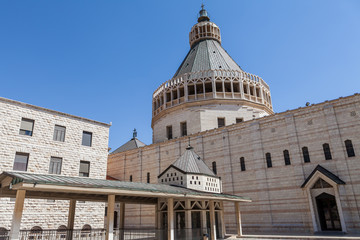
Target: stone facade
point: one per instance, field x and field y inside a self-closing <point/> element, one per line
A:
<point x="41" y="146"/>
<point x="279" y="202"/>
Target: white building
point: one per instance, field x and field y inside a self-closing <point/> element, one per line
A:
<point x="40" y="140"/>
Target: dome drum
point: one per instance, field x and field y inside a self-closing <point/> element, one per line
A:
<point x="204" y="30"/>
<point x="211" y="84"/>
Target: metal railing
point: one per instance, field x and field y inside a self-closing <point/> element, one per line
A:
<point x="77" y="234"/>
<point x="119" y="234"/>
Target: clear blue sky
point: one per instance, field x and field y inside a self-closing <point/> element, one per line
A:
<point x="103" y="59"/>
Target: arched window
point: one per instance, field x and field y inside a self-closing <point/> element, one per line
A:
<point x="306" y="155"/>
<point x="148" y="177"/>
<point x="268" y="160"/>
<point x="61" y="231"/>
<point x="131" y="178"/>
<point x="35" y="233"/>
<point x="327" y="152"/>
<point x="85" y="230"/>
<point x="3" y="233"/>
<point x="349" y="148"/>
<point x="242" y="164"/>
<point x="214" y="167"/>
<point x="287" y="157"/>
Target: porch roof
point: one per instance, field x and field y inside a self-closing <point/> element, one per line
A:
<point x="88" y="189"/>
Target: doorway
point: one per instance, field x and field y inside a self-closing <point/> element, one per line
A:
<point x="328" y="212"/>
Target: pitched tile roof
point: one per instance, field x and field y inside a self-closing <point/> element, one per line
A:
<point x="190" y="162"/>
<point x="132" y="144"/>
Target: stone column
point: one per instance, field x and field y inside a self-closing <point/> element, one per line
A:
<point x="241" y="89"/>
<point x="262" y="95"/>
<point x="238" y="219"/>
<point x="110" y="218"/>
<point x="213" y="86"/>
<point x="71" y="219"/>
<point x="203" y="217"/>
<point x="212" y="220"/>
<point x="122" y="221"/>
<point x="157" y="220"/>
<point x="170" y="208"/>
<point x="188" y="224"/>
<point x="186" y="94"/>
<point x="223" y="229"/>
<point x="17" y="214"/>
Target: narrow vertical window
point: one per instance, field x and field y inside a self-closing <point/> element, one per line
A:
<point x="242" y="164"/>
<point x="131" y="178"/>
<point x="148" y="177"/>
<point x="214" y="167"/>
<point x="59" y="133"/>
<point x="55" y="165"/>
<point x="26" y="127"/>
<point x="268" y="160"/>
<point x="169" y="132"/>
<point x="84" y="169"/>
<point x="183" y="129"/>
<point x="221" y="122"/>
<point x="21" y="161"/>
<point x="306" y="154"/>
<point x="327" y="151"/>
<point x="287" y="157"/>
<point x="87" y="138"/>
<point x="349" y="148"/>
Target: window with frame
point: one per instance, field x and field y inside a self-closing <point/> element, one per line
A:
<point x="349" y="148"/>
<point x="306" y="154"/>
<point x="21" y="161"/>
<point x="268" y="160"/>
<point x="239" y="120"/>
<point x="169" y="133"/>
<point x="131" y="178"/>
<point x="287" y="157"/>
<point x="242" y="164"/>
<point x="84" y="169"/>
<point x="214" y="167"/>
<point x="221" y="122"/>
<point x="87" y="139"/>
<point x="148" y="177"/>
<point x="327" y="152"/>
<point x="26" y="127"/>
<point x="183" y="129"/>
<point x="55" y="165"/>
<point x="59" y="133"/>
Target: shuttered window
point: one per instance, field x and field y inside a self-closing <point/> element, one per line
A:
<point x="59" y="133"/>
<point x="26" y="127"/>
<point x="55" y="165"/>
<point x="21" y="161"/>
<point x="84" y="169"/>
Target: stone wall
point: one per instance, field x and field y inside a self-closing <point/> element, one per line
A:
<point x="279" y="202"/>
<point x="41" y="147"/>
<point x="202" y="117"/>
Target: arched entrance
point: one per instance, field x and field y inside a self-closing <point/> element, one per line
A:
<point x="328" y="212"/>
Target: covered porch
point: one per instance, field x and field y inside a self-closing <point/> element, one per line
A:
<point x="180" y="213"/>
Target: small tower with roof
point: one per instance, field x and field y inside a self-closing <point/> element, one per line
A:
<point x="190" y="171"/>
<point x="209" y="89"/>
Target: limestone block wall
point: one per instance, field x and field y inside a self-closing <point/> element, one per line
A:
<point x="41" y="147"/>
<point x="279" y="202"/>
<point x="202" y="117"/>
